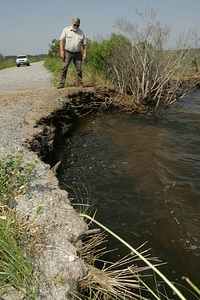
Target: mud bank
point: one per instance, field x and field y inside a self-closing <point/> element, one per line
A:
<point x="33" y="115"/>
<point x="60" y="121"/>
<point x="57" y="226"/>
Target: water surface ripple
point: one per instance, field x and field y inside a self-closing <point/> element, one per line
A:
<point x="143" y="172"/>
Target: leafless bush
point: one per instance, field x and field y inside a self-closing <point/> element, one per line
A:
<point x="142" y="66"/>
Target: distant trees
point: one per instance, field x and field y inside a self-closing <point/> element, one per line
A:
<point x="6" y="62"/>
<point x="54" y="50"/>
<point x="1" y="57"/>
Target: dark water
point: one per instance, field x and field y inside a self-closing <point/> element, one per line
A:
<point x="144" y="177"/>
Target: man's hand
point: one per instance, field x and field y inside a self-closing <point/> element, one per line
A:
<point x="84" y="56"/>
<point x="62" y="54"/>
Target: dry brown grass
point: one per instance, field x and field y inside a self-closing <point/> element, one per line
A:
<point x="115" y="280"/>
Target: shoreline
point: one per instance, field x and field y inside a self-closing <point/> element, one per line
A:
<point x="57" y="225"/>
<point x="31" y="123"/>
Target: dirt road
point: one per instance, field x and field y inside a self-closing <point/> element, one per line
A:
<point x="25" y="94"/>
<point x="21" y="79"/>
<point x="18" y="83"/>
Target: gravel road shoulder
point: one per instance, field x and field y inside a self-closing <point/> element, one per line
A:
<point x="26" y="96"/>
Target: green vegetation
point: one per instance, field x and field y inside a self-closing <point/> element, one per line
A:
<point x="80" y="197"/>
<point x="14" y="177"/>
<point x="6" y="63"/>
<point x="16" y="270"/>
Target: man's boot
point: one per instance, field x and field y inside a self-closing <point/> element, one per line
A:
<point x="61" y="85"/>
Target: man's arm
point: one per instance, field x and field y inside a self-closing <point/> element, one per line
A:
<point x="62" y="48"/>
<point x="84" y="52"/>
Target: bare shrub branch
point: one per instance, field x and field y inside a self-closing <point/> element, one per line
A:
<point x="143" y="67"/>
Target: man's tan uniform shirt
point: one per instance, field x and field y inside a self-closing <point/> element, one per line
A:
<point x="74" y="39"/>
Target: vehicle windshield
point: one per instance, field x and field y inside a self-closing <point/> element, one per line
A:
<point x="21" y="56"/>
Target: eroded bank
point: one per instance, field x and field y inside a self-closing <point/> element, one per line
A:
<point x="57" y="225"/>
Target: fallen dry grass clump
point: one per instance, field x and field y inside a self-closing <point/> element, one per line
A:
<point x="114" y="280"/>
<point x="125" y="278"/>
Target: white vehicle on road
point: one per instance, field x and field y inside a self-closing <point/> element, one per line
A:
<point x="22" y="60"/>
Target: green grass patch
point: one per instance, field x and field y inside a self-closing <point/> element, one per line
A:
<point x="4" y="64"/>
<point x="16" y="270"/>
<point x="17" y="277"/>
<point x="90" y="76"/>
<point x="14" y="177"/>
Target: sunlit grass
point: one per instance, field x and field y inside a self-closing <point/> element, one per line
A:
<point x="16" y="270"/>
<point x="14" y="177"/>
<point x="80" y="197"/>
<point x="90" y="77"/>
<point x="7" y="64"/>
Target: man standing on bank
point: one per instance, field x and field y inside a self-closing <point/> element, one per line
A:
<point x="72" y="41"/>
